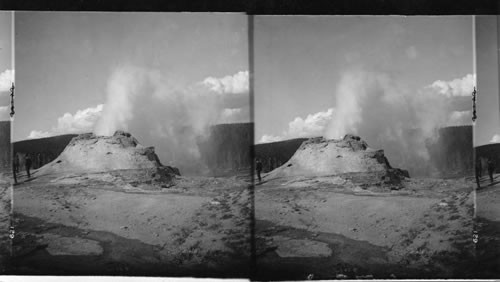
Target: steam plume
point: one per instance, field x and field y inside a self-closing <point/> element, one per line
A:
<point x="147" y="104"/>
<point x="390" y="116"/>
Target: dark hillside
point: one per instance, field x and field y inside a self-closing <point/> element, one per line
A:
<point x="275" y="154"/>
<point x="48" y="148"/>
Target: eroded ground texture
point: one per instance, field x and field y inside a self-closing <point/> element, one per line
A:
<point x="488" y="227"/>
<point x="117" y="223"/>
<point x="341" y="227"/>
<point x="5" y="207"/>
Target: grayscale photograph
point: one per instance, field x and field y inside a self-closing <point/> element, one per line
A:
<point x="6" y="86"/>
<point x="133" y="144"/>
<point x="363" y="156"/>
<point x="487" y="146"/>
<point x="266" y="148"/>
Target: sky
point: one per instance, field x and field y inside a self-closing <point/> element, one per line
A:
<point x="164" y="77"/>
<point x="6" y="74"/>
<point x="331" y="75"/>
<point x="487" y="128"/>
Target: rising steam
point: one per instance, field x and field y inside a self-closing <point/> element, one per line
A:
<point x="123" y="89"/>
<point x="388" y="115"/>
<point x="147" y="104"/>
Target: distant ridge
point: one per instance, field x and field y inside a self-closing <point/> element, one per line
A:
<point x="276" y="153"/>
<point x="49" y="147"/>
<point x="54" y="143"/>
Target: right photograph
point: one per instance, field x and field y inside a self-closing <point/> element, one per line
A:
<point x="364" y="147"/>
<point x="487" y="146"/>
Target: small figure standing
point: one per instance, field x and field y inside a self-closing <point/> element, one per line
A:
<point x="27" y="164"/>
<point x="258" y="167"/>
<point x="39" y="160"/>
<point x="491" y="169"/>
<point x="14" y="172"/>
<point x="16" y="163"/>
<point x="479" y="168"/>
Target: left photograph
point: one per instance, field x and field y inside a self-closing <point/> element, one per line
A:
<point x="133" y="139"/>
<point x="6" y="89"/>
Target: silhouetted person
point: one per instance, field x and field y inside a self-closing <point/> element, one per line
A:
<point x="271" y="164"/>
<point x="39" y="160"/>
<point x="14" y="172"/>
<point x="258" y="167"/>
<point x="491" y="169"/>
<point x="16" y="163"/>
<point x="27" y="164"/>
<point x="479" y="168"/>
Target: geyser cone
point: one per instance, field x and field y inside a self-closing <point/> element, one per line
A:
<point x="321" y="157"/>
<point x="91" y="153"/>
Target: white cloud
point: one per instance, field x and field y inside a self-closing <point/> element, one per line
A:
<point x="230" y="115"/>
<point x="495" y="138"/>
<point x="411" y="52"/>
<point x="269" y="139"/>
<point x="4" y="113"/>
<point x="227" y="113"/>
<point x="6" y="79"/>
<point x="81" y="122"/>
<point x="235" y="84"/>
<point x="457" y="87"/>
<point x="460" y="118"/>
<point x="35" y="134"/>
<point x="312" y="126"/>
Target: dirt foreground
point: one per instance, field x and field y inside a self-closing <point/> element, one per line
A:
<point x="488" y="227"/>
<point x="102" y="224"/>
<point x="5" y="209"/>
<point x="330" y="228"/>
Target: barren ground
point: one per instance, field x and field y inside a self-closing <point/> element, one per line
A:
<point x="5" y="206"/>
<point x="102" y="224"/>
<point x="330" y="227"/>
<point x="325" y="226"/>
<point x="488" y="226"/>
